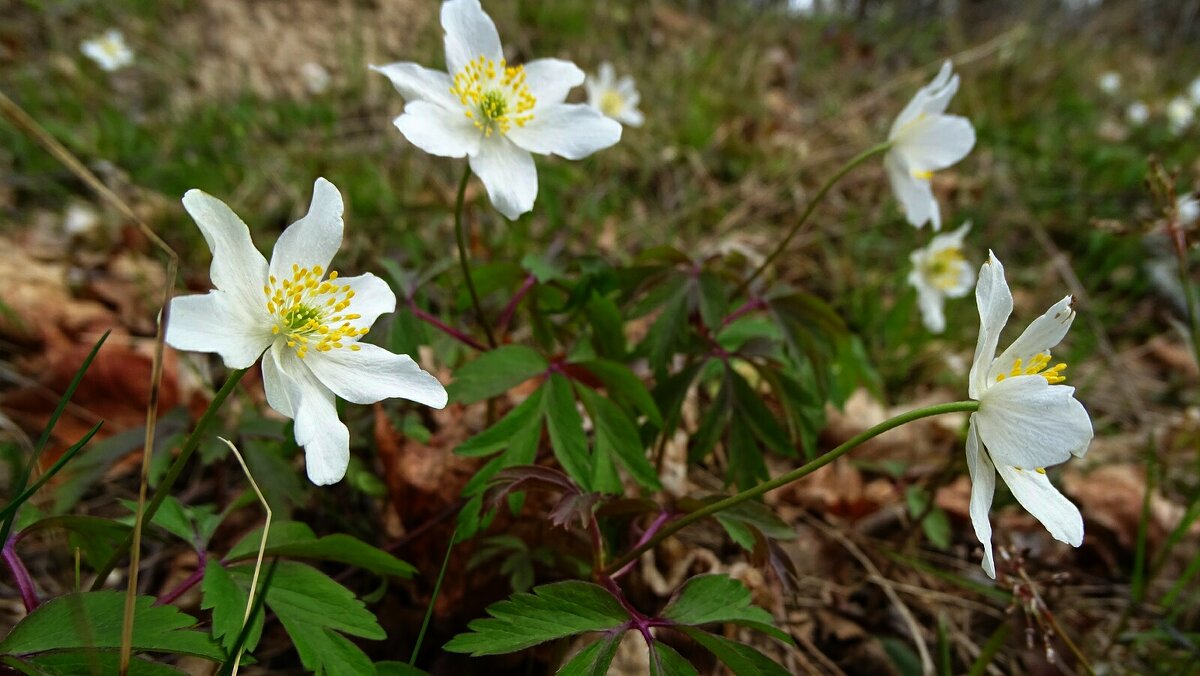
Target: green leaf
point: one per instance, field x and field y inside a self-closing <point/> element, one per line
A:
<point x="668" y="330"/>
<point x="93" y="620"/>
<point x="393" y="668"/>
<point x="608" y="329"/>
<point x="623" y="385"/>
<point x="595" y="659"/>
<point x="496" y="372"/>
<point x="193" y="525"/>
<point x="227" y="601"/>
<point x="741" y="520"/>
<point x="292" y="539"/>
<point x="565" y="426"/>
<point x="617" y="436"/>
<point x="549" y="612"/>
<point x="739" y="657"/>
<point x="715" y="422"/>
<point x="664" y="661"/>
<point x="93" y="662"/>
<point x="746" y="465"/>
<point x="934" y="521"/>
<point x="95" y="536"/>
<point x="758" y="417"/>
<point x="499" y="436"/>
<point x="712" y="299"/>
<point x="903" y="658"/>
<point x="544" y="268"/>
<point x="705" y="599"/>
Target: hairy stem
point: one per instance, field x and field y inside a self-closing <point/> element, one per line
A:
<point x="460" y="232"/>
<point x="785" y="479"/>
<point x="20" y="575"/>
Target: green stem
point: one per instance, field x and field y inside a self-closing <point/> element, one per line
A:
<point x="164" y="488"/>
<point x="460" y="232"/>
<point x="812" y="204"/>
<point x="437" y="588"/>
<point x="785" y="479"/>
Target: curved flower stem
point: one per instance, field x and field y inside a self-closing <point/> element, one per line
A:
<point x="20" y="575"/>
<point x="460" y="232"/>
<point x="164" y="487"/>
<point x="812" y="204"/>
<point x="785" y="479"/>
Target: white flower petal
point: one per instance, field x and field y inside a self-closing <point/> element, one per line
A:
<point x="371" y="373"/>
<point x="418" y="83"/>
<point x="439" y="130"/>
<point x="983" y="488"/>
<point x="1037" y="495"/>
<point x="372" y="297"/>
<point x="325" y="439"/>
<point x="607" y="75"/>
<point x="237" y="267"/>
<point x="931" y="301"/>
<point x="571" y="130"/>
<point x="995" y="305"/>
<point x="966" y="279"/>
<point x="213" y="322"/>
<point x="550" y="80"/>
<point x="1029" y="423"/>
<point x="936" y="142"/>
<point x="1039" y="337"/>
<point x="931" y="99"/>
<point x="276" y="382"/>
<point x="509" y="175"/>
<point x="631" y="116"/>
<point x="470" y="34"/>
<point x="315" y="238"/>
<point x="915" y="195"/>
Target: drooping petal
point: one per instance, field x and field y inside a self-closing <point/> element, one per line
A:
<point x="995" y="305"/>
<point x="315" y="238"/>
<point x="276" y="382"/>
<point x="509" y="175"/>
<point x="325" y="439"/>
<point x="371" y="373"/>
<point x="1037" y="495"/>
<point x="372" y="297"/>
<point x="1038" y="338"/>
<point x="418" y="83"/>
<point x="936" y="142"/>
<point x="470" y="34"/>
<point x="439" y="130"/>
<point x="237" y="267"/>
<point x="1028" y="423"/>
<point x="915" y="195"/>
<point x="983" y="488"/>
<point x="570" y="130"/>
<point x="214" y="322"/>
<point x="931" y="302"/>
<point x="550" y="80"/>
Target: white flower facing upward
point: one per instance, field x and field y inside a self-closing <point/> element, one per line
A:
<point x="108" y="50"/>
<point x="1109" y="82"/>
<point x="493" y="113"/>
<point x="614" y="98"/>
<point x="1027" y="419"/>
<point x="1180" y="113"/>
<point x="939" y="272"/>
<point x="1137" y="113"/>
<point x="305" y="318"/>
<point x="924" y="140"/>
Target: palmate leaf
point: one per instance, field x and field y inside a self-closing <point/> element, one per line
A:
<point x="292" y="539"/>
<point x="595" y="659"/>
<point x="549" y="612"/>
<point x="86" y="662"/>
<point x="565" y="425"/>
<point x="705" y="599"/>
<point x="227" y="601"/>
<point x="664" y="661"/>
<point x="741" y="521"/>
<point x="741" y="659"/>
<point x="495" y="372"/>
<point x="617" y="437"/>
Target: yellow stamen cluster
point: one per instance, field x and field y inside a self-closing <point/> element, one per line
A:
<point x="310" y="311"/>
<point x="1039" y="470"/>
<point x="612" y="103"/>
<point x="495" y="95"/>
<point x="942" y="269"/>
<point x="922" y="174"/>
<point x="1037" y="366"/>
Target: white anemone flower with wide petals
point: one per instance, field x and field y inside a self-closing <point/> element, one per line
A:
<point x="1027" y="419"/>
<point x="614" y="98"/>
<point x="108" y="50"/>
<point x="924" y="140"/>
<point x="494" y="113"/>
<point x="306" y="319"/>
<point x="940" y="271"/>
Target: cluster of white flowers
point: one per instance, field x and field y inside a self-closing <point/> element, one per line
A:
<point x="1180" y="110"/>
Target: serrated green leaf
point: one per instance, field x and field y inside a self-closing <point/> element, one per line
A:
<point x="565" y="426"/>
<point x="499" y="436"/>
<point x="608" y="329"/>
<point x="296" y="540"/>
<point x="740" y="521"/>
<point x="668" y="330"/>
<point x="593" y="660"/>
<point x="747" y="467"/>
<point x="549" y="612"/>
<point x="664" y="661"/>
<point x="712" y="299"/>
<point x="671" y="392"/>
<point x="739" y="657"/>
<point x="93" y="620"/>
<point x="758" y="417"/>
<point x="715" y="422"/>
<point x="617" y="436"/>
<point x="705" y="599"/>
<point x="227" y="601"/>
<point x="495" y="372"/>
<point x="90" y="662"/>
<point x="192" y="524"/>
<point x="623" y="385"/>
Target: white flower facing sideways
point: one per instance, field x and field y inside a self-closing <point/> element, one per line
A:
<point x="108" y="50"/>
<point x="304" y="317"/>
<point x="939" y="272"/>
<point x="614" y="98"/>
<point x="924" y="140"/>
<point x="1027" y="419"/>
<point x="494" y="113"/>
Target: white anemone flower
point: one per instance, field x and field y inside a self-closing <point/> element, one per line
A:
<point x="108" y="50"/>
<point x="1027" y="419"/>
<point x="1137" y="113"/>
<point x="1109" y="82"/>
<point x="1180" y="113"/>
<point x="924" y="139"/>
<point x="614" y="98"/>
<point x="1194" y="91"/>
<point x="494" y="113"/>
<point x="1187" y="209"/>
<point x="940" y="271"/>
<point x="306" y="319"/>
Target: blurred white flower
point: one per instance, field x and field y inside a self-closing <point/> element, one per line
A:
<point x="493" y="113"/>
<point x="1187" y="207"/>
<point x="79" y="219"/>
<point x="108" y="50"/>
<point x="1137" y="113"/>
<point x="1180" y="113"/>
<point x="316" y="78"/>
<point x="1194" y="91"/>
<point x="939" y="272"/>
<point x="1110" y="82"/>
<point x="924" y="139"/>
<point x="1027" y="420"/>
<point x="614" y="98"/>
<point x="308" y="323"/>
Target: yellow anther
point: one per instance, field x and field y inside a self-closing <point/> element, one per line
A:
<point x="1041" y="470"/>
<point x="1039" y="365"/>
<point x="306" y="306"/>
<point x="494" y="95"/>
<point x="922" y="174"/>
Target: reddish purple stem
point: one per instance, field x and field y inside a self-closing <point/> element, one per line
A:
<point x="511" y="309"/>
<point x="20" y="575"/>
<point x="658" y="523"/>
<point x="445" y="328"/>
<point x="749" y="306"/>
<point x="188" y="582"/>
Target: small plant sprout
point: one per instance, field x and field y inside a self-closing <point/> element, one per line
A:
<point x="1027" y="419"/>
<point x="494" y="113"/>
<point x="924" y="140"/>
<point x="108" y="50"/>
<point x="1137" y="113"/>
<point x="614" y="98"/>
<point x="308" y="320"/>
<point x="1109" y="82"/>
<point x="940" y="271"/>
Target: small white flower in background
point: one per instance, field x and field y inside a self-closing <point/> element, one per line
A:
<point x="939" y="272"/>
<point x="1110" y="83"/>
<point x="316" y="78"/>
<point x="494" y="113"/>
<point x="1187" y="208"/>
<point x="614" y="98"/>
<point x="1194" y="91"/>
<point x="1027" y="419"/>
<point x="1180" y="112"/>
<point x="305" y="318"/>
<point x="79" y="219"/>
<point x="924" y="139"/>
<point x="109" y="50"/>
<point x="1137" y="113"/>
